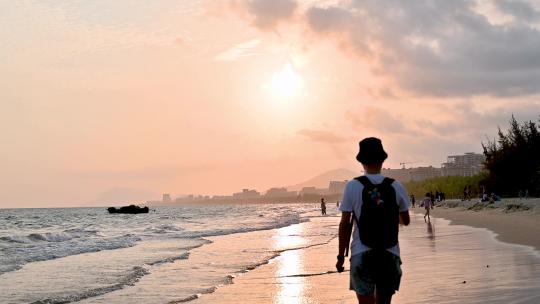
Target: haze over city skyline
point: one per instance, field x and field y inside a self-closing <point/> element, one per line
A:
<point x="213" y="96"/>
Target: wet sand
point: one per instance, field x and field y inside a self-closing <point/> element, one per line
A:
<point x="517" y="227"/>
<point x="299" y="276"/>
<point x="442" y="263"/>
<point x="305" y="275"/>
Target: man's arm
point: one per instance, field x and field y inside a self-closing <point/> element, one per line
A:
<point x="344" y="232"/>
<point x="404" y="218"/>
<point x="344" y="238"/>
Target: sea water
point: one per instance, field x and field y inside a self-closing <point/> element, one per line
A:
<point x="73" y="254"/>
<point x="179" y="254"/>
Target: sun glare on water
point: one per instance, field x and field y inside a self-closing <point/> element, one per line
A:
<point x="286" y="83"/>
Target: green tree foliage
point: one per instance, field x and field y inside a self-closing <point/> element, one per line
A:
<point x="513" y="160"/>
<point x="452" y="186"/>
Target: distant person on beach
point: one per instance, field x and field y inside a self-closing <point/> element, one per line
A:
<point x="337" y="204"/>
<point x="428" y="204"/>
<point x="374" y="205"/>
<point x="323" y="206"/>
<point x="413" y="200"/>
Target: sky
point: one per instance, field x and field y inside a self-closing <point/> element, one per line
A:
<point x="105" y="101"/>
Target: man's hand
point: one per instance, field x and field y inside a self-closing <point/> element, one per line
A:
<point x="339" y="264"/>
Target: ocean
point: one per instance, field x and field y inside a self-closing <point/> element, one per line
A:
<point x="184" y="254"/>
<point x="73" y="254"/>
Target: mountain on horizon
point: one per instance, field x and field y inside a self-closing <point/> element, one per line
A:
<point x="322" y="180"/>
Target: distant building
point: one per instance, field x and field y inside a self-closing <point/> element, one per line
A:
<point x="312" y="191"/>
<point x="221" y="197"/>
<point x="403" y="175"/>
<point x="422" y="173"/>
<point x="337" y="187"/>
<point x="279" y="192"/>
<point x="246" y="194"/>
<point x="166" y="198"/>
<point x="468" y="164"/>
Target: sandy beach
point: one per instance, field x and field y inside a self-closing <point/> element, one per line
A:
<point x="511" y="226"/>
<point x="279" y="254"/>
<point x="305" y="275"/>
<point x="458" y="268"/>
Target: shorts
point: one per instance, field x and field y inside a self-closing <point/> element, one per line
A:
<point x="375" y="269"/>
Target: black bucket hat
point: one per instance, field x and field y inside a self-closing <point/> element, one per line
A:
<point x="371" y="151"/>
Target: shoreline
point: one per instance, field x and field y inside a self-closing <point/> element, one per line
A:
<point x="515" y="227"/>
<point x="307" y="275"/>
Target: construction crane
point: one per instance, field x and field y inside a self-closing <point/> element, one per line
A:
<point x="406" y="163"/>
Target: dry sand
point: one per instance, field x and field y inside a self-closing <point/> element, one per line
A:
<point x="518" y="227"/>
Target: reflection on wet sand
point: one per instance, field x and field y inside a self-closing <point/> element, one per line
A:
<point x="442" y="263"/>
<point x="291" y="287"/>
<point x="468" y="266"/>
<point x="431" y="232"/>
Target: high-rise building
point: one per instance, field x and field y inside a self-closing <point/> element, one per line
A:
<point x="468" y="164"/>
<point x="403" y="175"/>
<point x="166" y="198"/>
<point x="422" y="173"/>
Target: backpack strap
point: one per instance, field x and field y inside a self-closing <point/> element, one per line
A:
<point x="364" y="180"/>
<point x="387" y="181"/>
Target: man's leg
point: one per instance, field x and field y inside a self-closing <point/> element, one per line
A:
<point x="365" y="299"/>
<point x="378" y="299"/>
<point x="363" y="286"/>
<point x="383" y="298"/>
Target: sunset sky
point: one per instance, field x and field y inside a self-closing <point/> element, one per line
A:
<point x="129" y="99"/>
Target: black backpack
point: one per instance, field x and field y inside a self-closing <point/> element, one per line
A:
<point x="379" y="220"/>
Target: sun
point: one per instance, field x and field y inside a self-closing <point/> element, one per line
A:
<point x="286" y="83"/>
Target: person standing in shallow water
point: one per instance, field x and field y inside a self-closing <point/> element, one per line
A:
<point x="373" y="202"/>
<point x="323" y="206"/>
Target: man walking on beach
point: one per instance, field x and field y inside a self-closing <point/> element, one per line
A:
<point x="377" y="205"/>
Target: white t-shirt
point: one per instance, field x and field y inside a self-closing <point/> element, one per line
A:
<point x="352" y="200"/>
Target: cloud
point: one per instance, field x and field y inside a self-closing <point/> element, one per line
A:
<point x="520" y="10"/>
<point x="469" y="120"/>
<point x="439" y="48"/>
<point x="375" y="119"/>
<point x="238" y="51"/>
<point x="321" y="136"/>
<point x="266" y="14"/>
